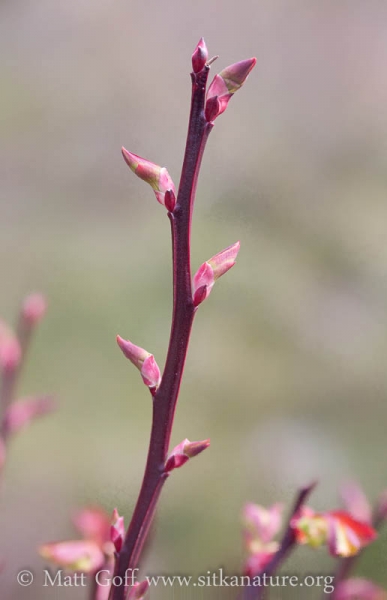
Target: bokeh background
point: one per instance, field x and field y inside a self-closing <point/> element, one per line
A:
<point x="287" y="368"/>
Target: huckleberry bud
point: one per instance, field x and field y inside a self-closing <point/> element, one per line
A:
<point x="200" y="294"/>
<point x="157" y="177"/>
<point x="143" y="360"/>
<point x="117" y="530"/>
<point x="261" y="524"/>
<point x="33" y="309"/>
<point x="21" y="413"/>
<point x="170" y="200"/>
<point x="213" y="108"/>
<point x="235" y="75"/>
<point x="224" y="85"/>
<point x="89" y="554"/>
<point x="83" y="556"/>
<point x="93" y="523"/>
<point x="357" y="588"/>
<point x="183" y="452"/>
<point x="211" y="270"/>
<point x="200" y="56"/>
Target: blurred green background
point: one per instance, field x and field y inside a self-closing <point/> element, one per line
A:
<point x="286" y="371"/>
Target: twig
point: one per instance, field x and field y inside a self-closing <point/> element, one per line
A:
<point x="204" y="110"/>
<point x="165" y="399"/>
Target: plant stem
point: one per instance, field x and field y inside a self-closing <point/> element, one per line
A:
<point x="164" y="401"/>
<point x="287" y="544"/>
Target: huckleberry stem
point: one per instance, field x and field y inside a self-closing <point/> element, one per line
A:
<point x="164" y="402"/>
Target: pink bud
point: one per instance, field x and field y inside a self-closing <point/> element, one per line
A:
<point x="200" y="294"/>
<point x="218" y="88"/>
<point x="200" y="56"/>
<point x="261" y="524"/>
<point x="34" y="308"/>
<point x="235" y="75"/>
<point x="225" y="85"/>
<point x="175" y="461"/>
<point x="203" y="281"/>
<point x="10" y="351"/>
<point x="20" y="414"/>
<point x="138" y="590"/>
<point x="211" y="270"/>
<point x="224" y="260"/>
<point x="150" y="372"/>
<point x="117" y="530"/>
<point x="158" y="177"/>
<point x="183" y="452"/>
<point x="135" y="354"/>
<point x="192" y="449"/>
<point x="356" y="588"/>
<point x="143" y="360"/>
<point x="94" y="524"/>
<point x="214" y="107"/>
<point x="170" y="200"/>
<point x="82" y="556"/>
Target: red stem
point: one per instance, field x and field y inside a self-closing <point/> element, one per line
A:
<point x="164" y="401"/>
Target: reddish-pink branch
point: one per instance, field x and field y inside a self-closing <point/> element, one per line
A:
<point x="164" y="401"/>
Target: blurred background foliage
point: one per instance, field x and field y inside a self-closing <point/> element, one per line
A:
<point x="287" y="364"/>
